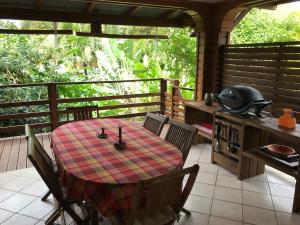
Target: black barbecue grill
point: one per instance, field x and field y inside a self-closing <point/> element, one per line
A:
<point x="240" y="99"/>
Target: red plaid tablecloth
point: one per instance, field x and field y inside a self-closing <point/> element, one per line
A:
<point x="93" y="170"/>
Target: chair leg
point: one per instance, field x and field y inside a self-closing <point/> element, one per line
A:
<point x="94" y="217"/>
<point x="53" y="217"/>
<point x="73" y="214"/>
<point x="44" y="198"/>
<point x="187" y="212"/>
<point x="63" y="218"/>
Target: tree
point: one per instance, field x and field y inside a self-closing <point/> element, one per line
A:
<point x="260" y="26"/>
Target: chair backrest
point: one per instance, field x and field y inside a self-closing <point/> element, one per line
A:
<point x="40" y="148"/>
<point x="155" y="122"/>
<point x="161" y="192"/>
<point x="82" y="112"/>
<point x="41" y="165"/>
<point x="181" y="135"/>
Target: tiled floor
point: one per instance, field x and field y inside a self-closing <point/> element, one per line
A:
<point x="218" y="197"/>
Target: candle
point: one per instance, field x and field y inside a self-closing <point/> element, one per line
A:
<point x="120" y="134"/>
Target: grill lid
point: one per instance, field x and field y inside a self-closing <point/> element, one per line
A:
<point x="240" y="98"/>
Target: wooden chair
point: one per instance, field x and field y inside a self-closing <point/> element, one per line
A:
<point x="45" y="155"/>
<point x="83" y="112"/>
<point x="159" y="200"/>
<point x="181" y="135"/>
<point x="50" y="178"/>
<point x="155" y="122"/>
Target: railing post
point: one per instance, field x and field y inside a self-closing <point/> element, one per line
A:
<point x="52" y="94"/>
<point x="172" y="101"/>
<point x="163" y="89"/>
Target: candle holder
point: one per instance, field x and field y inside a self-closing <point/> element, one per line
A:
<point x="103" y="134"/>
<point x="120" y="144"/>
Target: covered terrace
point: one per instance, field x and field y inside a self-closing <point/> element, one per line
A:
<point x="222" y="194"/>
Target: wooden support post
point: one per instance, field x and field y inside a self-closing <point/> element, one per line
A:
<point x="173" y="92"/>
<point x="163" y="89"/>
<point x="212" y="32"/>
<point x="176" y="84"/>
<point x="52" y="94"/>
<point x="199" y="67"/>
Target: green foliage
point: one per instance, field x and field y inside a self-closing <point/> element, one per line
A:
<point x="261" y="26"/>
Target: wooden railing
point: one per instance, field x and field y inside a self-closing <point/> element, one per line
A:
<point x="174" y="101"/>
<point x="49" y="111"/>
<point x="273" y="68"/>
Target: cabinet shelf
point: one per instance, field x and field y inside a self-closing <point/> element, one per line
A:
<point x="204" y="134"/>
<point x="271" y="162"/>
<point x="228" y="163"/>
<point x="204" y="131"/>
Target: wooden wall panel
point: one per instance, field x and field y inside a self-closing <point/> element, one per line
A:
<point x="273" y="69"/>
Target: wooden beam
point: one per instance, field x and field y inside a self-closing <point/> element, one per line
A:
<point x="240" y="16"/>
<point x="37" y="32"/>
<point x="170" y="13"/>
<point x="74" y="17"/>
<point x="132" y="11"/>
<point x="90" y="6"/>
<point x="255" y="3"/>
<point x="39" y="3"/>
<point x="122" y="36"/>
<point x="157" y="3"/>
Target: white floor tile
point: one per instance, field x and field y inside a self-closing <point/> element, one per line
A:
<point x="281" y="178"/>
<point x="256" y="186"/>
<point x="213" y="220"/>
<point x="6" y="178"/>
<point x="17" y="202"/>
<point x="4" y="215"/>
<point x="282" y="190"/>
<point x="37" y="188"/>
<point x="225" y="172"/>
<point x="194" y="219"/>
<point x="18" y="184"/>
<point x="4" y="194"/>
<point x="198" y="204"/>
<point x="204" y="190"/>
<point x="287" y="218"/>
<point x="227" y="181"/>
<point x="257" y="200"/>
<point x="208" y="168"/>
<point x="37" y="209"/>
<point x="228" y="210"/>
<point x="20" y="219"/>
<point x="258" y="216"/>
<point x="206" y="178"/>
<point x="228" y="194"/>
<point x="283" y="204"/>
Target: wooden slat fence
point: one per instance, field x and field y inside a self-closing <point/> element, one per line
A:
<point x="272" y="68"/>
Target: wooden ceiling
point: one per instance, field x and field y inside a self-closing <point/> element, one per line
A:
<point x="164" y="13"/>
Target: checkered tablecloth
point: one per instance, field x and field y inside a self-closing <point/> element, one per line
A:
<point x="93" y="170"/>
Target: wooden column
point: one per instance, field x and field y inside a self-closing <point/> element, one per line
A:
<point x="52" y="94"/>
<point x="214" y="38"/>
<point x="163" y="89"/>
<point x="213" y="31"/>
<point x="199" y="66"/>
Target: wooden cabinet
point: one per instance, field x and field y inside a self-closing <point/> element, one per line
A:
<point x="200" y="116"/>
<point x="237" y="142"/>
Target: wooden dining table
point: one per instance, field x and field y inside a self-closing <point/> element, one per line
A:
<point x="93" y="170"/>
